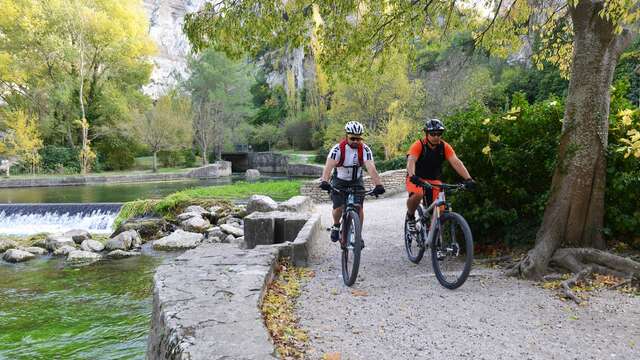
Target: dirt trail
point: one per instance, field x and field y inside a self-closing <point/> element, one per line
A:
<point x="399" y="311"/>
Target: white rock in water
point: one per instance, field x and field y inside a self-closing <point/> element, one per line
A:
<point x="64" y="250"/>
<point x="178" y="240"/>
<point x="81" y="256"/>
<point x="91" y="245"/>
<point x="16" y="255"/>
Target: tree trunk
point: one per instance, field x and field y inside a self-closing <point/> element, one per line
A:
<point x="155" y="161"/>
<point x="205" y="159"/>
<point x="575" y="210"/>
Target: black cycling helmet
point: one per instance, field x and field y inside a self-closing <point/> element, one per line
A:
<point x="433" y="125"/>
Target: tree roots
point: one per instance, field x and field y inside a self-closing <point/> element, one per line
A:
<point x="582" y="262"/>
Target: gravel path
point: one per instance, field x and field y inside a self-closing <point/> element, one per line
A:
<point x="399" y="310"/>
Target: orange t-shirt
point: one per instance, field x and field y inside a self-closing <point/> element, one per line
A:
<point x="416" y="149"/>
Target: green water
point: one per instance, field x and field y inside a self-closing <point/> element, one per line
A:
<point x="52" y="311"/>
<point x="110" y="192"/>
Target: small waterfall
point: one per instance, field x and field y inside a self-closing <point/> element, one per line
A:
<point x="27" y="219"/>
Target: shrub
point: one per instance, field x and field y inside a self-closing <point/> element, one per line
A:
<point x="59" y="160"/>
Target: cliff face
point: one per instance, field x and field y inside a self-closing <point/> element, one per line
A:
<point x="165" y="28"/>
<point x="166" y="18"/>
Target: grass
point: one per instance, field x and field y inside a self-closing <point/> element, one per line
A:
<point x="208" y="196"/>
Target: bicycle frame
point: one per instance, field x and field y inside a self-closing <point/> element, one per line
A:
<point x="434" y="209"/>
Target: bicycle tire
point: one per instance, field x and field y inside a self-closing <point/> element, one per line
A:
<point x="440" y="251"/>
<point x="353" y="247"/>
<point x="408" y="241"/>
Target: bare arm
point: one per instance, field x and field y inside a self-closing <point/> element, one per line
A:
<point x="411" y="165"/>
<point x="458" y="166"/>
<point x="328" y="168"/>
<point x="373" y="172"/>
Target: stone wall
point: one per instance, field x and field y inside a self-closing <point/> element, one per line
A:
<point x="206" y="304"/>
<point x="393" y="181"/>
<point x="89" y="179"/>
<point x="218" y="169"/>
<point x="268" y="162"/>
<point x="304" y="170"/>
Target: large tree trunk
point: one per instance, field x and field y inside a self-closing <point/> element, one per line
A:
<point x="575" y="211"/>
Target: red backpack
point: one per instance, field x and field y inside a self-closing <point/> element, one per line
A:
<point x="343" y="146"/>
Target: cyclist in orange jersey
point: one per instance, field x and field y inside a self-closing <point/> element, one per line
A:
<point x="424" y="164"/>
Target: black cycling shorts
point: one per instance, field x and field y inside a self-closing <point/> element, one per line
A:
<point x="338" y="199"/>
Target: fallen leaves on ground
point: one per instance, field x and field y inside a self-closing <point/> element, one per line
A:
<point x="278" y="311"/>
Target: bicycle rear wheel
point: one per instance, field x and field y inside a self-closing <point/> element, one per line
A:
<point x="415" y="243"/>
<point x="352" y="241"/>
<point x="452" y="250"/>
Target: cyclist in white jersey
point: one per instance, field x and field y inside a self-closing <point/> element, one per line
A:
<point x="348" y="158"/>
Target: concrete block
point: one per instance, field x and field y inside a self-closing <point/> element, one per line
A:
<point x="258" y="229"/>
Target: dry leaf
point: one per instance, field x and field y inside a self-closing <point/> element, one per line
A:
<point x="331" y="356"/>
<point x="359" y="293"/>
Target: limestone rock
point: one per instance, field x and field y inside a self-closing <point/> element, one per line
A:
<point x="64" y="250"/>
<point x="178" y="240"/>
<point x="6" y="245"/>
<point x="81" y="256"/>
<point x="252" y="174"/>
<point x="78" y="236"/>
<point x="195" y="209"/>
<point x="119" y="254"/>
<point x="91" y="245"/>
<point x="16" y="256"/>
<point x="261" y="203"/>
<point x="124" y="241"/>
<point x="297" y="204"/>
<point x="55" y="242"/>
<point x="233" y="230"/>
<point x="187" y="215"/>
<point x="216" y="232"/>
<point x="196" y="224"/>
<point x="147" y="227"/>
<point x="35" y="250"/>
<point x="229" y="239"/>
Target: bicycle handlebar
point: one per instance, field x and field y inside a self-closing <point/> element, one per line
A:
<point x="445" y="187"/>
<point x="356" y="192"/>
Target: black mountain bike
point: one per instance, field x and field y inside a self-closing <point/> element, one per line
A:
<point x="447" y="234"/>
<point x="351" y="233"/>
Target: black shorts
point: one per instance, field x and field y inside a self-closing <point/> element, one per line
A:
<point x="338" y="199"/>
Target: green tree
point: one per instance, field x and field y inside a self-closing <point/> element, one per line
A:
<point x="583" y="37"/>
<point x="167" y="126"/>
<point x="267" y="133"/>
<point x="21" y="139"/>
<point x="69" y="60"/>
<point x="220" y="90"/>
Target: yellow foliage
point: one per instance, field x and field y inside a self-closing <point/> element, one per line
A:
<point x="22" y="138"/>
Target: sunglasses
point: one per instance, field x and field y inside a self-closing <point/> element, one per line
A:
<point x="355" y="138"/>
<point x="435" y="133"/>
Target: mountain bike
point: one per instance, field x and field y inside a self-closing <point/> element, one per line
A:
<point x="351" y="233"/>
<point x="446" y="233"/>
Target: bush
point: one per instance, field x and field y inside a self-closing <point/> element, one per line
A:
<point x="514" y="171"/>
<point x="59" y="160"/>
<point x="171" y="158"/>
<point x="115" y="153"/>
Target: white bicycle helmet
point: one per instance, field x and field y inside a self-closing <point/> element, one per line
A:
<point x="354" y="127"/>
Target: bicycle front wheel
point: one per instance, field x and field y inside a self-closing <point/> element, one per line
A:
<point x="452" y="250"/>
<point x="414" y="243"/>
<point x="352" y="245"/>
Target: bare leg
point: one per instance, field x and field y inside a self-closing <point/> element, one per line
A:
<point x="412" y="203"/>
<point x="336" y="213"/>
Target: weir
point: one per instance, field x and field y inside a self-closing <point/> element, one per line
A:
<point x="27" y="219"/>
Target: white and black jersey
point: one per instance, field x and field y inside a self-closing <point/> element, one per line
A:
<point x="345" y="172"/>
